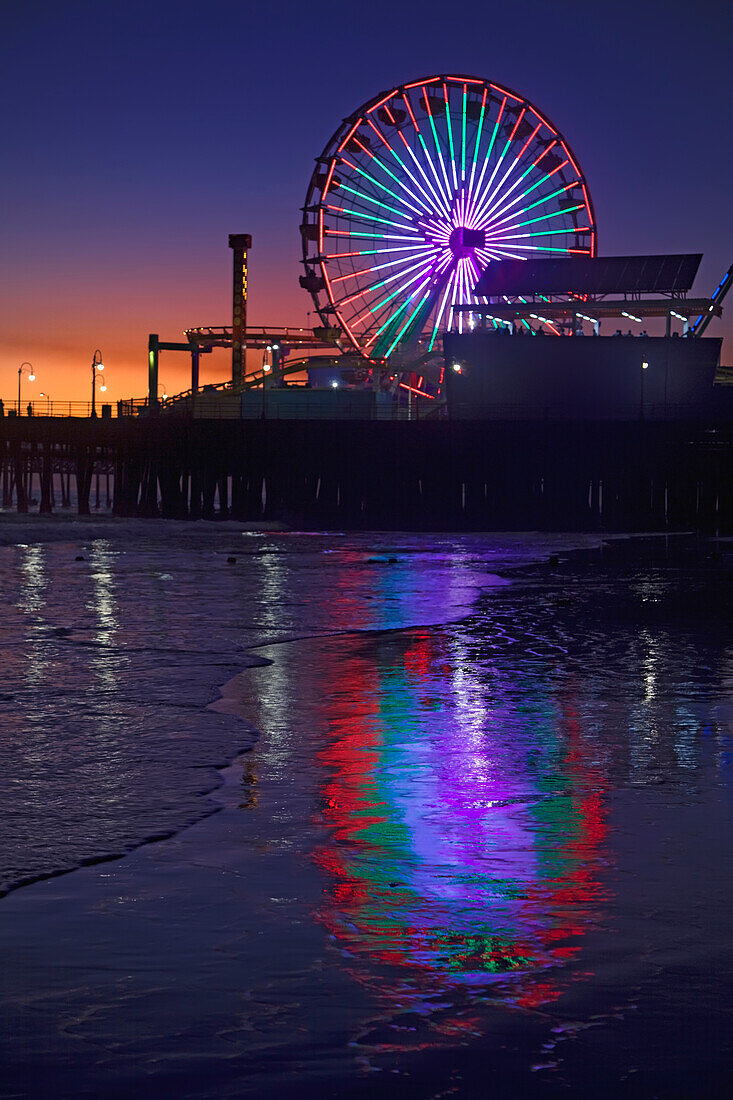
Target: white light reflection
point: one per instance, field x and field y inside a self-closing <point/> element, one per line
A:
<point x="107" y="658"/>
<point x="276" y="704"/>
<point x="274" y="595"/>
<point x="469" y="703"/>
<point x="664" y="727"/>
<point x="460" y="784"/>
<point x="686" y="733"/>
<point x="31" y="601"/>
<point x="643" y="729"/>
<point x="32" y="595"/>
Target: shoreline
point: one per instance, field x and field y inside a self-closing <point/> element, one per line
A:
<point x="621" y="547"/>
<point x="46" y="528"/>
<point x="226" y="703"/>
<point x="194" y="967"/>
<point x="210" y="929"/>
<point x="219" y="538"/>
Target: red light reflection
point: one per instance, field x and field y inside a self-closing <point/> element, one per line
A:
<point x="454" y="859"/>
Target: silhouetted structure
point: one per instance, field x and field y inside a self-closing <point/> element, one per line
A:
<point x="419" y="475"/>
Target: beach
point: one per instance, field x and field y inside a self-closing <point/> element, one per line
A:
<point x="430" y="815"/>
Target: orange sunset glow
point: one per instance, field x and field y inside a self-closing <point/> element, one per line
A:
<point x="113" y="309"/>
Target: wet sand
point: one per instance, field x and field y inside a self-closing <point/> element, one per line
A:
<point x="267" y="950"/>
<point x="194" y="968"/>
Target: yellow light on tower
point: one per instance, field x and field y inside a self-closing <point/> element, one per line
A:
<point x="239" y="243"/>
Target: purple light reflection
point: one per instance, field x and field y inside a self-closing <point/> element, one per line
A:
<point x="442" y="822"/>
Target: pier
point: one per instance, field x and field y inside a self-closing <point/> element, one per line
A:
<point x="397" y="475"/>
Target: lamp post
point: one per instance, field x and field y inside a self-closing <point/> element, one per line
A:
<point x="644" y="366"/>
<point x="48" y="402"/>
<point x="163" y="391"/>
<point x="24" y="368"/>
<point x="97" y="365"/>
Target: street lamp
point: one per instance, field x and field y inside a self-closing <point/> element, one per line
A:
<point x="97" y="365"/>
<point x="644" y="366"/>
<point x="164" y="395"/>
<point x="48" y="402"/>
<point x="24" y="368"/>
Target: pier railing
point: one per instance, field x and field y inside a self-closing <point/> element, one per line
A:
<point x="41" y="407"/>
<point x="131" y="406"/>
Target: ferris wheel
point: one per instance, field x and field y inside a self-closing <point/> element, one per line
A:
<point x="418" y="191"/>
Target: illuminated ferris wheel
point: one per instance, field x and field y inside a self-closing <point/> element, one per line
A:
<point x="418" y="191"/>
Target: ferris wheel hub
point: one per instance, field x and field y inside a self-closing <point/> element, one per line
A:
<point x="463" y="242"/>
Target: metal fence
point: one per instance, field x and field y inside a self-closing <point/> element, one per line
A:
<point x="42" y="407"/>
<point x="233" y="408"/>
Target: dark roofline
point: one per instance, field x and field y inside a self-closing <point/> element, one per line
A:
<point x="663" y="274"/>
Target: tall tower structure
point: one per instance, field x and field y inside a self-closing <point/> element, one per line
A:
<point x="239" y="243"/>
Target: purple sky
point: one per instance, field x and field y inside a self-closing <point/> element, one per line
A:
<point x="137" y="136"/>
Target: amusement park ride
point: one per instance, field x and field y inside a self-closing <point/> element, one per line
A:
<point x="417" y="218"/>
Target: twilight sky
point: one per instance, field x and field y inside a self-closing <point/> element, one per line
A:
<point x="138" y="135"/>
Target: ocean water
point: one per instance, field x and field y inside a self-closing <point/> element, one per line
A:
<point x="482" y="832"/>
<point x="523" y="828"/>
<point x="112" y="646"/>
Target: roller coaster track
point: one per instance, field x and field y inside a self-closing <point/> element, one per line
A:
<point x="698" y="326"/>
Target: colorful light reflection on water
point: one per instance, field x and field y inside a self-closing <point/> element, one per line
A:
<point x="467" y="818"/>
<point x="524" y="806"/>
